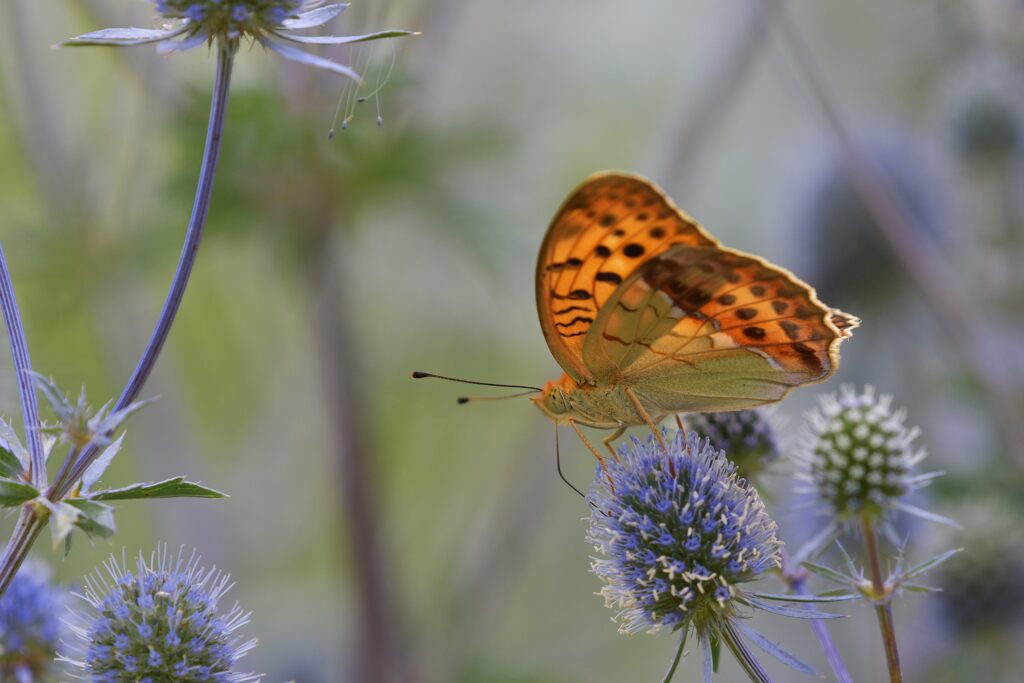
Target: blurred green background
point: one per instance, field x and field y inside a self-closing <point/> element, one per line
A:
<point x="331" y="268"/>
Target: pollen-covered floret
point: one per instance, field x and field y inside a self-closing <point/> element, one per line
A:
<point x="746" y="436"/>
<point x="858" y="455"/>
<point x="158" y="623"/>
<point x="231" y="17"/>
<point x="676" y="534"/>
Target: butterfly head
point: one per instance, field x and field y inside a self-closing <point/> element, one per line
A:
<point x="553" y="400"/>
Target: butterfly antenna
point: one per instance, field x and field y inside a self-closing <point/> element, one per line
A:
<point x="467" y="399"/>
<point x="558" y="466"/>
<point x="421" y="375"/>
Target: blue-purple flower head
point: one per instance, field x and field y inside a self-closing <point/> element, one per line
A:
<point x="746" y="436"/>
<point x="271" y="23"/>
<point x="30" y="625"/>
<point x="676" y="534"/>
<point x="231" y="17"/>
<point x="858" y="455"/>
<point x="160" y="622"/>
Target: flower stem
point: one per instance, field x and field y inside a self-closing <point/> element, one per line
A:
<point x="743" y="654"/>
<point x="23" y="371"/>
<point x="25" y="531"/>
<point x="678" y="658"/>
<point x="30" y="523"/>
<point x="883" y="604"/>
<point x="218" y="107"/>
<point x="796" y="578"/>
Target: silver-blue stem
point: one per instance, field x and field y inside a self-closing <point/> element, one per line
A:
<point x="23" y="371"/>
<point x="218" y="107"/>
<point x="31" y="519"/>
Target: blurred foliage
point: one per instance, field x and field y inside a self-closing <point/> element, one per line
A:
<point x="432" y="223"/>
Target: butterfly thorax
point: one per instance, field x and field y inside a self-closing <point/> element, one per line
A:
<point x="604" y="407"/>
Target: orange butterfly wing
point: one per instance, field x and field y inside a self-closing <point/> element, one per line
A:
<point x="609" y="226"/>
<point x="631" y="291"/>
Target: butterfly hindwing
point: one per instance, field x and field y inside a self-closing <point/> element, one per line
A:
<point x="608" y="228"/>
<point x="709" y="328"/>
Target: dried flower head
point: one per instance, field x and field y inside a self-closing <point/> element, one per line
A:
<point x="836" y="231"/>
<point x="858" y="456"/>
<point x="983" y="112"/>
<point x="158" y="623"/>
<point x="677" y="534"/>
<point x="227" y="22"/>
<point x="746" y="436"/>
<point x="30" y="625"/>
<point x="981" y="588"/>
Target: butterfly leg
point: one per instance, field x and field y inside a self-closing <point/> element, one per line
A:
<point x="682" y="428"/>
<point x="608" y="441"/>
<point x="642" y="412"/>
<point x="600" y="458"/>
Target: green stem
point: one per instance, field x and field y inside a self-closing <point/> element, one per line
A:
<point x="883" y="604"/>
<point x="743" y="654"/>
<point x="678" y="658"/>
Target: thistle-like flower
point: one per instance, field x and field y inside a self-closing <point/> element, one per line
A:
<point x="858" y="459"/>
<point x="746" y="436"/>
<point x="677" y="536"/>
<point x="30" y="625"/>
<point x="158" y="623"/>
<point x="191" y="23"/>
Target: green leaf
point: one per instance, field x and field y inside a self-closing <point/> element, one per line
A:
<point x="344" y="40"/>
<point x="310" y="60"/>
<point x="123" y="37"/>
<point x="930" y="564"/>
<point x="795" y="612"/>
<point x="63" y="518"/>
<point x="9" y="443"/>
<point x="915" y="588"/>
<point x="15" y="492"/>
<point x="96" y="519"/>
<point x="847" y="559"/>
<point x="314" y="18"/>
<point x="10" y="466"/>
<point x="100" y="464"/>
<point x="826" y="572"/>
<point x="170" y="488"/>
<point x="803" y="598"/>
<point x="777" y="651"/>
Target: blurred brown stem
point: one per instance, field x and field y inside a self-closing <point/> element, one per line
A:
<point x="380" y="655"/>
<point x="882" y="601"/>
<point x="725" y="72"/>
<point x="921" y="258"/>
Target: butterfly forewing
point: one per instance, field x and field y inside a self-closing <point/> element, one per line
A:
<point x="609" y="227"/>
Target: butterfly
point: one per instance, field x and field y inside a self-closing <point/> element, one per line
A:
<point x="650" y="316"/>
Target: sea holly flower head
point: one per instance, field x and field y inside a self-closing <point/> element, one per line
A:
<point x="858" y="455"/>
<point x="160" y="622"/>
<point x="677" y="535"/>
<point x="271" y="23"/>
<point x="746" y="436"/>
<point x="30" y="625"/>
